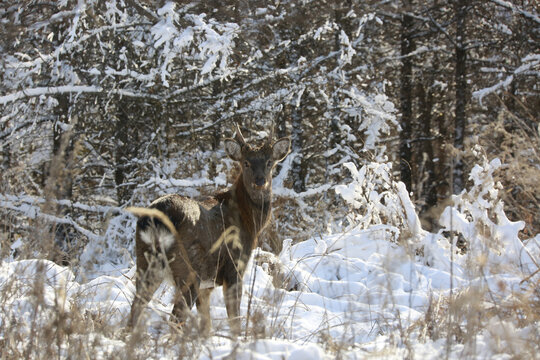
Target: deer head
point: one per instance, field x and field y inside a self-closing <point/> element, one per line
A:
<point x="257" y="163"/>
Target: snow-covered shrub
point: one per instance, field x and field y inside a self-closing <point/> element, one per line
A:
<point x="478" y="216"/>
<point x="113" y="248"/>
<point x="376" y="199"/>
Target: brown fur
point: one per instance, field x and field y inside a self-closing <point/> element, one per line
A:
<point x="206" y="243"/>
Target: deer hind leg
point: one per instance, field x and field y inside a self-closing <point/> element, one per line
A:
<point x="187" y="288"/>
<point x="149" y="275"/>
<point x="203" y="307"/>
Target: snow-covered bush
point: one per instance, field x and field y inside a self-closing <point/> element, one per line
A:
<point x="376" y="199"/>
<point x="478" y="216"/>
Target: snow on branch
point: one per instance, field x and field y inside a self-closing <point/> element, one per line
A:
<point x="529" y="63"/>
<point x="291" y="194"/>
<point x="213" y="40"/>
<point x="10" y="199"/>
<point x="30" y="207"/>
<point x="518" y="10"/>
<point x="78" y="89"/>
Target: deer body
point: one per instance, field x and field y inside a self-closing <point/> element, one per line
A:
<point x="208" y="243"/>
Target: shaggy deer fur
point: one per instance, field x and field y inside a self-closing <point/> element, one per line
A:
<point x="208" y="243"/>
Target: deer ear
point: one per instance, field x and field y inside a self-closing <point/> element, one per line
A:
<point x="281" y="148"/>
<point x="233" y="149"/>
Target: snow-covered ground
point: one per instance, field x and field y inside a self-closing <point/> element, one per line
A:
<point x="363" y="292"/>
<point x="354" y="293"/>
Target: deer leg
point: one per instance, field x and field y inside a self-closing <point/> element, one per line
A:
<point x="149" y="269"/>
<point x="187" y="288"/>
<point x="184" y="299"/>
<point x="232" y="292"/>
<point x="203" y="307"/>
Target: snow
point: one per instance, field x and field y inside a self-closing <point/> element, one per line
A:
<point x="348" y="294"/>
<point x="529" y="63"/>
<point x="350" y="287"/>
<point x="359" y="292"/>
<point x="38" y="91"/>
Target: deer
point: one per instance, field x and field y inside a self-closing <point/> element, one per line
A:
<point x="206" y="244"/>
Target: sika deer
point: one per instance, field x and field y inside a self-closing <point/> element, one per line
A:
<point x="208" y="243"/>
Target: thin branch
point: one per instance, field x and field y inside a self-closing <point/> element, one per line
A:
<point x="78" y="89"/>
<point x="517" y="9"/>
<point x="141" y="10"/>
<point x="8" y="132"/>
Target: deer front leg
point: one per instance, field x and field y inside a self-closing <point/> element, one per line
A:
<point x="232" y="292"/>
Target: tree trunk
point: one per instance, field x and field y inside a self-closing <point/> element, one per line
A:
<point x="428" y="177"/>
<point x="406" y="98"/>
<point x="122" y="153"/>
<point x="460" y="9"/>
<point x="59" y="182"/>
<point x="59" y="169"/>
<point x="298" y="169"/>
<point x="6" y="156"/>
<point x="217" y="89"/>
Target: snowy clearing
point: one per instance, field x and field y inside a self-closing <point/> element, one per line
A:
<point x="352" y="294"/>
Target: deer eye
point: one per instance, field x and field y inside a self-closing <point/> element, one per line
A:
<point x="269" y="163"/>
<point x="246" y="164"/>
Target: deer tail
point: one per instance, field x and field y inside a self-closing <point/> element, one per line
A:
<point x="154" y="227"/>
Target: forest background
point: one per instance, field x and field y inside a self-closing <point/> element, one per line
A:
<point x="110" y="103"/>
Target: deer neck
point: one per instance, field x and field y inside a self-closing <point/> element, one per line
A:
<point x="255" y="206"/>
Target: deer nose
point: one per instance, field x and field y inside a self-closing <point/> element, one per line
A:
<point x="260" y="181"/>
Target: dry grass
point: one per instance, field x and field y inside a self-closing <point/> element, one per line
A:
<point x="466" y="318"/>
<point x="517" y="144"/>
<point x="35" y="327"/>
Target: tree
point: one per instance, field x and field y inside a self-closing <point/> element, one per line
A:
<point x="133" y="98"/>
<point x="407" y="47"/>
<point x="461" y="8"/>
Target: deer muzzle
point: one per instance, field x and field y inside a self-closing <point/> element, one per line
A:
<point x="260" y="183"/>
